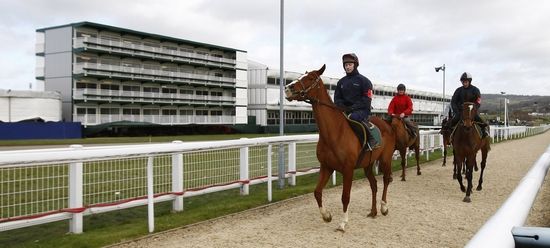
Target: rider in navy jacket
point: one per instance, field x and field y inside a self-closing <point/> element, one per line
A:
<point x="354" y="93"/>
<point x="472" y="94"/>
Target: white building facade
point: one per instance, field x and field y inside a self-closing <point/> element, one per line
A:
<point x="263" y="101"/>
<point x="107" y="74"/>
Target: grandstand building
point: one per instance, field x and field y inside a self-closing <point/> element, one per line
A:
<point x="263" y="101"/>
<point x="109" y="74"/>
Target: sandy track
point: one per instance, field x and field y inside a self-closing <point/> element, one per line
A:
<point x="424" y="211"/>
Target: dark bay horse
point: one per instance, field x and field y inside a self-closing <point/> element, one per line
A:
<point x="446" y="133"/>
<point x="403" y="141"/>
<point x="338" y="147"/>
<point x="467" y="142"/>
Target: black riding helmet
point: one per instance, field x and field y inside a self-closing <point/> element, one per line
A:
<point x="401" y="87"/>
<point x="350" y="58"/>
<point x="466" y="76"/>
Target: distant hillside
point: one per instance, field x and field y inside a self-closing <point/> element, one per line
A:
<point x="494" y="103"/>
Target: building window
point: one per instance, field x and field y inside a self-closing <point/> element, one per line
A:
<point x="84" y="111"/>
<point x="216" y="112"/>
<point x="187" y="112"/>
<point x="130" y="88"/>
<point x="109" y="111"/>
<point x="151" y="89"/>
<point x="109" y="87"/>
<point x="169" y="112"/>
<point x="201" y="112"/>
<point x="169" y="90"/>
<point x="130" y="111"/>
<point x="81" y="85"/>
<point x="215" y="93"/>
<point x="186" y="92"/>
<point x="150" y="112"/>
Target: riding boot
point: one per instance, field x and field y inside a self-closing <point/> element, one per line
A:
<point x="411" y="129"/>
<point x="371" y="141"/>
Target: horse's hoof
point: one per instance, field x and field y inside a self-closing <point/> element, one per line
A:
<point x="342" y="227"/>
<point x="372" y="215"/>
<point x="467" y="199"/>
<point x="327" y="218"/>
<point x="339" y="229"/>
<point x="479" y="188"/>
<point x="419" y="173"/>
<point x="403" y="179"/>
<point x="463" y="188"/>
<point x="385" y="212"/>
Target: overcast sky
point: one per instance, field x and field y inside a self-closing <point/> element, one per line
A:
<point x="504" y="44"/>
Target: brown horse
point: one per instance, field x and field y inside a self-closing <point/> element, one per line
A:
<point x="338" y="147"/>
<point x="403" y="141"/>
<point x="446" y="133"/>
<point x="466" y="143"/>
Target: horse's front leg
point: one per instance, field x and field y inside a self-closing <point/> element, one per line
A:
<point x="373" y="187"/>
<point x="444" y="155"/>
<point x="403" y="154"/>
<point x="346" y="190"/>
<point x="459" y="161"/>
<point x="483" y="163"/>
<point x="470" y="162"/>
<point x="386" y="169"/>
<point x="417" y="157"/>
<point x="324" y="175"/>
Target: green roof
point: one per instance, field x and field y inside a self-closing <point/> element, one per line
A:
<point x="134" y="32"/>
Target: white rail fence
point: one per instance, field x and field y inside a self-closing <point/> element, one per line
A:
<point x="497" y="231"/>
<point x="41" y="186"/>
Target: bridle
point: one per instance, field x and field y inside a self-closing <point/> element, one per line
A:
<point x="313" y="100"/>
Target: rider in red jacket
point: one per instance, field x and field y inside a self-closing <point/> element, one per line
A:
<point x="401" y="106"/>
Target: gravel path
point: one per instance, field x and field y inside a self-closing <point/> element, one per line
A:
<point x="424" y="211"/>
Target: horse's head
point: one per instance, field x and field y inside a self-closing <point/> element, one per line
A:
<point x="468" y="112"/>
<point x="301" y="88"/>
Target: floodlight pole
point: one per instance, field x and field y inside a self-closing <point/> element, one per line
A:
<point x="281" y="168"/>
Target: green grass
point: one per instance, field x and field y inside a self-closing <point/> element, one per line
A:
<point x="113" y="227"/>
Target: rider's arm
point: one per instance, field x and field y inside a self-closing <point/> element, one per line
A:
<point x="409" y="110"/>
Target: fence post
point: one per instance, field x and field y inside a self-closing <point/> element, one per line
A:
<point x="75" y="193"/>
<point x="177" y="179"/>
<point x="269" y="182"/>
<point x="292" y="163"/>
<point x="150" y="195"/>
<point x="244" y="169"/>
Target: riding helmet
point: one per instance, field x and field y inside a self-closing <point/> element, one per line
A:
<point x="466" y="76"/>
<point x="401" y="87"/>
<point x="350" y="58"/>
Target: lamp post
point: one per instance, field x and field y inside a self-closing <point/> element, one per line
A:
<point x="505" y="109"/>
<point x="437" y="69"/>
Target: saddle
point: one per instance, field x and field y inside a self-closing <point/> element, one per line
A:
<point x="360" y="130"/>
<point x="477" y="127"/>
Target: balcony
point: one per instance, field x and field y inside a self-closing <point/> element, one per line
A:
<point x="86" y="119"/>
<point x="137" y="73"/>
<point x="151" y="97"/>
<point x="151" y="52"/>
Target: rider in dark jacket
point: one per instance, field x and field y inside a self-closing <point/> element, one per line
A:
<point x="459" y="97"/>
<point x="354" y="94"/>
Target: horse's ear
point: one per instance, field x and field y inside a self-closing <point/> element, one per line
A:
<point x="322" y="70"/>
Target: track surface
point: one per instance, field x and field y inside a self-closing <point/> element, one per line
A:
<point x="424" y="211"/>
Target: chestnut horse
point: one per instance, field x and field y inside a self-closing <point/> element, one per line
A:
<point x="466" y="142"/>
<point x="338" y="147"/>
<point x="403" y="141"/>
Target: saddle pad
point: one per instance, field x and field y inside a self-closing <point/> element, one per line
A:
<point x="359" y="130"/>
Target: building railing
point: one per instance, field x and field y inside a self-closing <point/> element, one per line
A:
<point x="40" y="186"/>
<point x="151" y="97"/>
<point x="95" y="119"/>
<point x="153" y="52"/>
<point x="151" y="74"/>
